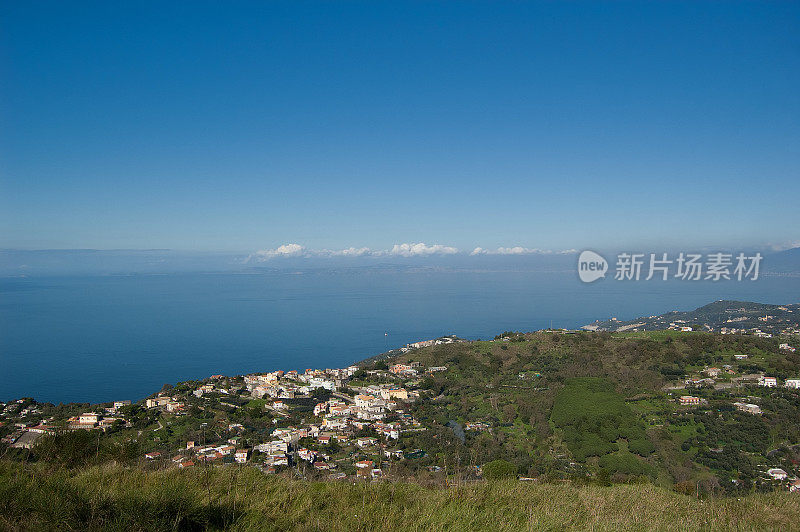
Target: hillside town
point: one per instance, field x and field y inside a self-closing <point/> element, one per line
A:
<point x="335" y="422"/>
<point x="357" y="422"/>
<point x="723" y="317"/>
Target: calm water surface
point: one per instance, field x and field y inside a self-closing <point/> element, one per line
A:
<point x="122" y="337"/>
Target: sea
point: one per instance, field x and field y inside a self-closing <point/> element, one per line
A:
<point x="113" y="337"/>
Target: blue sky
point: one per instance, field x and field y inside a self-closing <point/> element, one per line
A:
<point x="242" y="126"/>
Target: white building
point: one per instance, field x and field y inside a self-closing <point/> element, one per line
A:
<point x="88" y="418"/>
<point x="793" y="383"/>
<point x="768" y="382"/>
<point x="777" y="473"/>
<point x="307" y="455"/>
<point x="158" y="401"/>
<point x="363" y="401"/>
<point x="748" y="407"/>
<point x="394" y="393"/>
<point x="174" y="406"/>
<point x="274" y="447"/>
<point x="278" y="460"/>
<point x="319" y="382"/>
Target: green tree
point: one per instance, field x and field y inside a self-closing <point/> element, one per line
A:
<point x="498" y="469"/>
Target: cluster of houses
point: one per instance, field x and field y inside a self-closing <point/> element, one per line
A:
<point x="340" y="420"/>
<point x="291" y="384"/>
<point x="26" y="433"/>
<point x="778" y="474"/>
<point x="755" y="331"/>
<point x="772" y="382"/>
<point x="91" y="421"/>
<point x="170" y="404"/>
<point x="337" y="419"/>
<point x="428" y="343"/>
<point x="710" y="374"/>
<point x="405" y="370"/>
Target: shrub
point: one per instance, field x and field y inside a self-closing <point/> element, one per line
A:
<point x="641" y="446"/>
<point x="624" y="463"/>
<point x="594" y="416"/>
<point x="70" y="449"/>
<point x="499" y="469"/>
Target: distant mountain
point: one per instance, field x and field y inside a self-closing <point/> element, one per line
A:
<point x="730" y="314"/>
<point x="16" y="262"/>
<point x="787" y="261"/>
<point x="43" y="262"/>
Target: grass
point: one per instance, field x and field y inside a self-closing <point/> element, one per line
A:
<point x="114" y="498"/>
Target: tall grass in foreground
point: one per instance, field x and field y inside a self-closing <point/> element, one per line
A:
<point x="114" y="498"/>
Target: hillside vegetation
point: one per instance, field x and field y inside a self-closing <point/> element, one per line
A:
<point x="545" y="430"/>
<point x="114" y="498"/>
<point x="605" y="405"/>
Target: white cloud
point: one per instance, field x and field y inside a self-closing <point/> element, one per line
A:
<point x="297" y="250"/>
<point x="289" y="249"/>
<point x="285" y="250"/>
<point x="785" y="245"/>
<point x="421" y="249"/>
<point x="517" y="250"/>
<point x="347" y="252"/>
<point x="418" y="249"/>
<point x="354" y="252"/>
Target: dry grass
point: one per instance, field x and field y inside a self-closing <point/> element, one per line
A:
<point x="244" y="499"/>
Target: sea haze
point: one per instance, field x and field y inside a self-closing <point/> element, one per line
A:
<point x="101" y="338"/>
